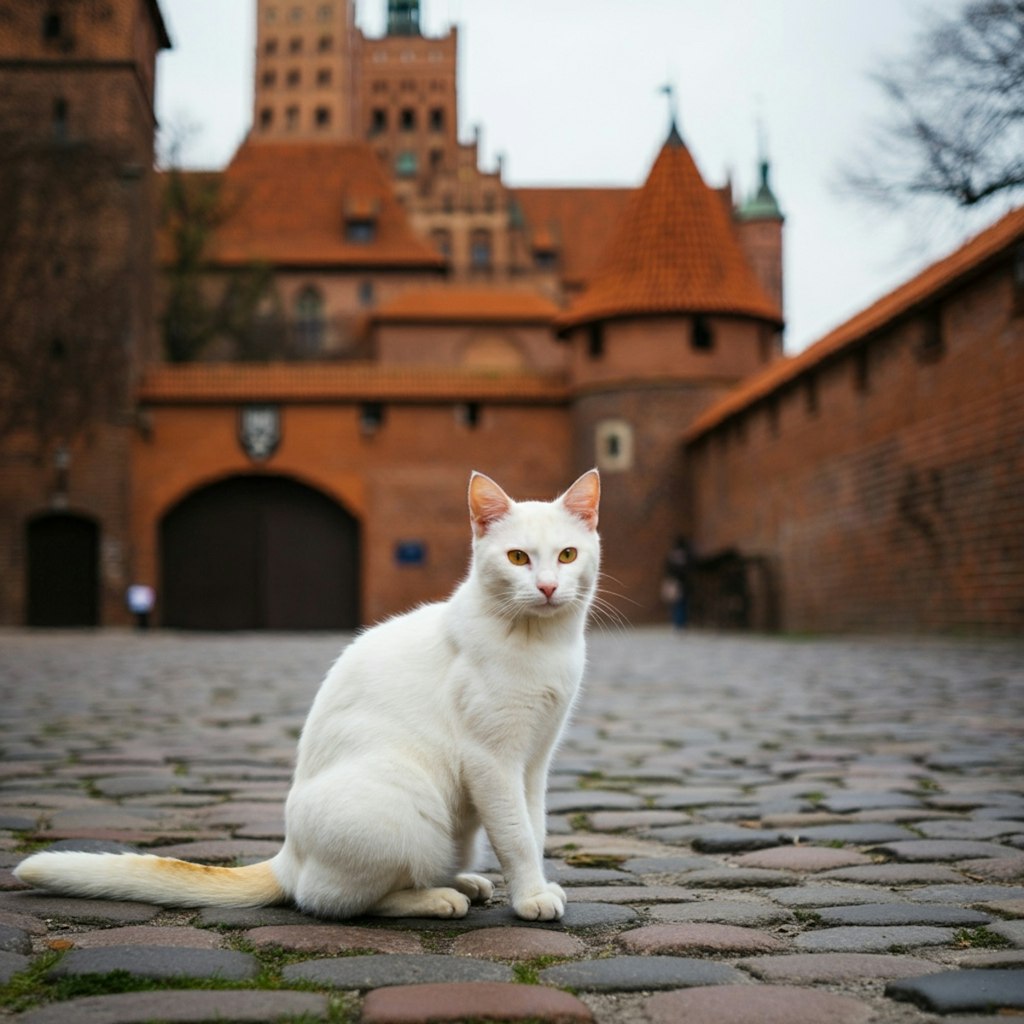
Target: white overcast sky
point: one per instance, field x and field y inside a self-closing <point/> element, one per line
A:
<point x="568" y="91"/>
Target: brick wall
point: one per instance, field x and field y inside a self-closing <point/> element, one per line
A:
<point x="886" y="487"/>
<point x="406" y="481"/>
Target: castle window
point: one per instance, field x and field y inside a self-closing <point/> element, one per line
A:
<point x="270" y="15"/>
<point x="295" y="44"/>
<point x="322" y="117"/>
<point x="595" y="340"/>
<point x="295" y="14"/>
<point x="266" y="118"/>
<point x="293" y="79"/>
<point x="291" y="118"/>
<point x="52" y="26"/>
<point x="442" y="239"/>
<point x="468" y="414"/>
<point x="367" y="293"/>
<point x="324" y="44"/>
<point x="436" y="159"/>
<point x="405" y="165"/>
<point x="371" y="417"/>
<point x="270" y="47"/>
<point x="545" y="259"/>
<point x="310" y="325"/>
<point x="702" y="337"/>
<point x="613" y="446"/>
<point x="480" y="253"/>
<point x="360" y="230"/>
<point x="323" y="77"/>
<point x="437" y="119"/>
<point x="325" y="12"/>
<point x="407" y="119"/>
<point x="378" y="120"/>
<point x="379" y="86"/>
<point x="269" y="79"/>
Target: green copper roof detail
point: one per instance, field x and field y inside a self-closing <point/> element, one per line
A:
<point x="762" y="205"/>
<point x="403" y="18"/>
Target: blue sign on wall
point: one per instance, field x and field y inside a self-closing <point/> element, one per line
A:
<point x="410" y="552"/>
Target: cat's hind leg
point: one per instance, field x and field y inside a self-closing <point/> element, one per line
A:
<point x="440" y="902"/>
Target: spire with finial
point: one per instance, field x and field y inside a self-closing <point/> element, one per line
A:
<point x="762" y="204"/>
<point x="674" y="137"/>
<point x="403" y="18"/>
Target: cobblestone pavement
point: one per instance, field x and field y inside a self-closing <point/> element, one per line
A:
<point x="750" y="830"/>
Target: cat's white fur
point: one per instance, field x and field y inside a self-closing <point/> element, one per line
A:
<point x="428" y="726"/>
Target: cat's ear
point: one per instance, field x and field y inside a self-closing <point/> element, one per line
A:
<point x="487" y="503"/>
<point x="583" y="498"/>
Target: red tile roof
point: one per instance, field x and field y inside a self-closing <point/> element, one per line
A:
<point x="467" y="305"/>
<point x="204" y="383"/>
<point x="288" y="204"/>
<point x="674" y="250"/>
<point x="904" y="300"/>
<point x="577" y="222"/>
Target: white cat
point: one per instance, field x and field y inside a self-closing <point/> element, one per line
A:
<point x="428" y="726"/>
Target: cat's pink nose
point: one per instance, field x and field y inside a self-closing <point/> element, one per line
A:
<point x="547" y="589"/>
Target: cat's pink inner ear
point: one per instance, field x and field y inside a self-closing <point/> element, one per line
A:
<point x="487" y="503"/>
<point x="583" y="498"/>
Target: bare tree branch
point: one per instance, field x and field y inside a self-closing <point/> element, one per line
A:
<point x="955" y="127"/>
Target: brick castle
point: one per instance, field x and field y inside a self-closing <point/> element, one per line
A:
<point x="353" y="315"/>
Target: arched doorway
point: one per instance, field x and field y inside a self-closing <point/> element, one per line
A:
<point x="63" y="570"/>
<point x="259" y="552"/>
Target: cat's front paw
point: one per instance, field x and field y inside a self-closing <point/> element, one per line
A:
<point x="542" y="906"/>
<point x="556" y="890"/>
<point x="476" y="887"/>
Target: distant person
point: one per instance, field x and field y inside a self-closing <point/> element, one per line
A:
<point x="141" y="598"/>
<point x="675" y="586"/>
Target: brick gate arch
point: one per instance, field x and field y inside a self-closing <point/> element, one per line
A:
<point x="63" y="570"/>
<point x="259" y="552"/>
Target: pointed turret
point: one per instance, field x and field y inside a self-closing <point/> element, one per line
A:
<point x="674" y="252"/>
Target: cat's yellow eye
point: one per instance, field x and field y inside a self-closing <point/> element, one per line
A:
<point x="517" y="557"/>
<point x="567" y="555"/>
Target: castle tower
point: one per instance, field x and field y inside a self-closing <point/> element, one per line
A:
<point x="760" y="221"/>
<point x="76" y="297"/>
<point x="408" y="100"/>
<point x="673" y="317"/>
<point x="306" y="70"/>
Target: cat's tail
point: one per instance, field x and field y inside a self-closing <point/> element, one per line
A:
<point x="149" y="879"/>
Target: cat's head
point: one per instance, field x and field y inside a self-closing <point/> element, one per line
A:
<point x="536" y="558"/>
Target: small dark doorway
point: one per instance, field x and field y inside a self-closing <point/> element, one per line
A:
<point x="259" y="552"/>
<point x="63" y="571"/>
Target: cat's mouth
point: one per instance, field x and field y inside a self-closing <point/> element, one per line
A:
<point x="545" y="605"/>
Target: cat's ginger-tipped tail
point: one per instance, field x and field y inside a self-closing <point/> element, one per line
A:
<point x="149" y="879"/>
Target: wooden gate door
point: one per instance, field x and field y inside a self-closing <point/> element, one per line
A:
<point x="259" y="553"/>
<point x="63" y="571"/>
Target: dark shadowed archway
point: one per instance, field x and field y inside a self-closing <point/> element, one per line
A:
<point x="63" y="570"/>
<point x="259" y="552"/>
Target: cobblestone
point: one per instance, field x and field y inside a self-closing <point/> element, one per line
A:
<point x="749" y="830"/>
